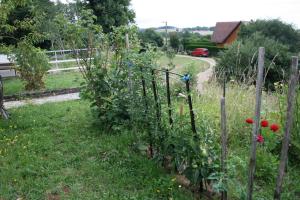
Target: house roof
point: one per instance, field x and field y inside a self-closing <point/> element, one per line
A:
<point x="223" y="30"/>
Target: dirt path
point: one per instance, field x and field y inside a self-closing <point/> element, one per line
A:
<point x="203" y="77"/>
<point x="37" y="101"/>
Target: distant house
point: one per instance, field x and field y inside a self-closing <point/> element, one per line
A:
<point x="225" y="33"/>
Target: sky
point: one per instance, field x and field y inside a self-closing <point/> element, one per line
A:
<point x="190" y="13"/>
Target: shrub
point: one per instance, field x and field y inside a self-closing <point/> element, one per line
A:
<point x="239" y="61"/>
<point x="32" y="64"/>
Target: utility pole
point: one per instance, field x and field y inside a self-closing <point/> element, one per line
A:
<point x="166" y="28"/>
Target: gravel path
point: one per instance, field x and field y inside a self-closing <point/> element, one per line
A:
<point x="203" y="77"/>
<point x="37" y="101"/>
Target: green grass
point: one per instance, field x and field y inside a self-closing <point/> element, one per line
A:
<point x="54" y="151"/>
<point x="73" y="79"/>
<point x="183" y="63"/>
<point x="52" y="81"/>
<point x="64" y="65"/>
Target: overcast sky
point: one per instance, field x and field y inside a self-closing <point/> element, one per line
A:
<point x="188" y="13"/>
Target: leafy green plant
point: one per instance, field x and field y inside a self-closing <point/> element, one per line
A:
<point x="32" y="64"/>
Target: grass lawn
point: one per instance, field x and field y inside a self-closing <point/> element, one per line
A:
<point x="73" y="79"/>
<point x="183" y="63"/>
<point x="54" y="151"/>
<point x="52" y="81"/>
<point x="64" y="65"/>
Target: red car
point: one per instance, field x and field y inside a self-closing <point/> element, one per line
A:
<point x="200" y="52"/>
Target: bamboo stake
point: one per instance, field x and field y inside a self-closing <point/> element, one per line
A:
<point x="288" y="126"/>
<point x="259" y="84"/>
<point x="224" y="137"/>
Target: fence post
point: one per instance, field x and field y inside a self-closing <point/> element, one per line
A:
<point x="3" y="112"/>
<point x="288" y="126"/>
<point x="146" y="112"/>
<point x="223" y="136"/>
<point x="192" y="115"/>
<point x="169" y="96"/>
<point x="256" y="127"/>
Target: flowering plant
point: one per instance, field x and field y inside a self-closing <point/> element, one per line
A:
<point x="267" y="133"/>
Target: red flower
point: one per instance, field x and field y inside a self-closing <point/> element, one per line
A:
<point x="274" y="127"/>
<point x="264" y="123"/>
<point x="249" y="121"/>
<point x="260" y="138"/>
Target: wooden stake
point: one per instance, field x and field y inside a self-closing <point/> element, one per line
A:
<point x="3" y="112"/>
<point x="169" y="96"/>
<point x="288" y="126"/>
<point x="224" y="138"/>
<point x="256" y="127"/>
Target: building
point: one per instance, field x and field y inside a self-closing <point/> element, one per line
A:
<point x="225" y="33"/>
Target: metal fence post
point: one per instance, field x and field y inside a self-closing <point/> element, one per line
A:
<point x="169" y="96"/>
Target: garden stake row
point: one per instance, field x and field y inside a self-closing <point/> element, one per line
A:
<point x="169" y="97"/>
<point x="224" y="137"/>
<point x="288" y="126"/>
<point x="146" y="112"/>
<point x="259" y="84"/>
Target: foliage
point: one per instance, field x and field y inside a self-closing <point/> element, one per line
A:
<point x="174" y="41"/>
<point x="274" y="29"/>
<point x="32" y="64"/>
<point x="110" y="13"/>
<point x="150" y="36"/>
<point x="32" y="169"/>
<point x="239" y="61"/>
<point x="26" y="20"/>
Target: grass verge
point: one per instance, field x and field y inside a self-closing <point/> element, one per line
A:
<point x="52" y="81"/>
<point x="54" y="151"/>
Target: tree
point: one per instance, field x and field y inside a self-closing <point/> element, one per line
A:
<point x="110" y="12"/>
<point x="22" y="27"/>
<point x="174" y="41"/>
<point x="239" y="61"/>
<point x="275" y="29"/>
<point x="151" y="36"/>
<point x="25" y="20"/>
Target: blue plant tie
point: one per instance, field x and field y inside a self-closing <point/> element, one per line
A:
<point x="129" y="64"/>
<point x="186" y="77"/>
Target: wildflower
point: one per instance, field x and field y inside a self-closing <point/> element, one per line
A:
<point x="249" y="121"/>
<point x="274" y="127"/>
<point x="260" y="138"/>
<point x="264" y="123"/>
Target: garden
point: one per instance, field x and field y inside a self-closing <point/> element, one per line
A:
<point x="141" y="130"/>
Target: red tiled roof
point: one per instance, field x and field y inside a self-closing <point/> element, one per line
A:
<point x="223" y="30"/>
